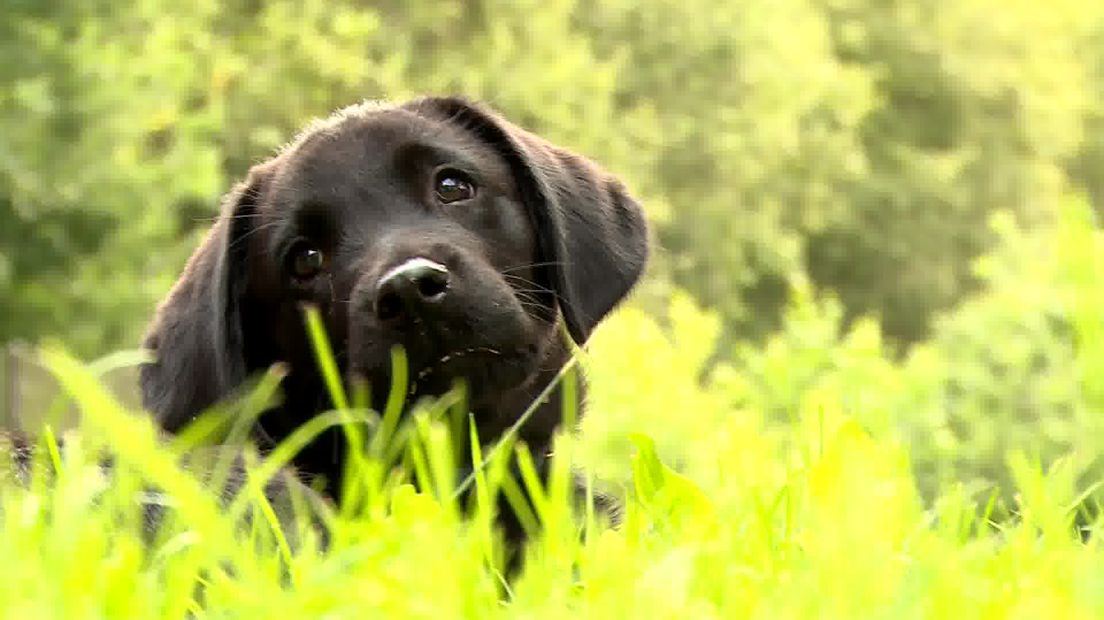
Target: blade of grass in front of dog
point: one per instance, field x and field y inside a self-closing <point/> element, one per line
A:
<point x="273" y="523"/>
<point x="569" y="390"/>
<point x="433" y="434"/>
<point x="520" y="505"/>
<point x="531" y="479"/>
<point x="458" y="414"/>
<point x="512" y="431"/>
<point x="258" y="400"/>
<point x="396" y="398"/>
<point x="119" y="360"/>
<point x="443" y="464"/>
<point x="591" y="523"/>
<point x="557" y="485"/>
<point x="362" y="393"/>
<point x="52" y="449"/>
<point x="204" y="428"/>
<point x="1079" y="501"/>
<point x="396" y="444"/>
<point x="286" y="450"/>
<point x="559" y="523"/>
<point x="484" y="512"/>
<point x="355" y="467"/>
<point x="990" y="507"/>
<point x="503" y="483"/>
<point x="323" y="354"/>
<point x="224" y="421"/>
<point x="421" y="464"/>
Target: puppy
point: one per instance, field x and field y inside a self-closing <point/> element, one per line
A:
<point x="435" y="225"/>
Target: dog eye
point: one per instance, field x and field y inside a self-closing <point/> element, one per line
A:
<point x="453" y="186"/>
<point x="306" y="261"/>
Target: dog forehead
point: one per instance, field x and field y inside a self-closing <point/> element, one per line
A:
<point x="378" y="140"/>
<point x="374" y="147"/>
<point x="355" y="142"/>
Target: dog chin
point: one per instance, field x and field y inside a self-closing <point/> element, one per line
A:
<point x="480" y="370"/>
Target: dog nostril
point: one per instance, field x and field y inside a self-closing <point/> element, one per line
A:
<point x="433" y="285"/>
<point x="388" y="306"/>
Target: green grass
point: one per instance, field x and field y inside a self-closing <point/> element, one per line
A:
<point x="814" y="518"/>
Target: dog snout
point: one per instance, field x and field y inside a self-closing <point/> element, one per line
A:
<point x="411" y="289"/>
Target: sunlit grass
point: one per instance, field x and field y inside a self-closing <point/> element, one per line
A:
<point x="831" y="527"/>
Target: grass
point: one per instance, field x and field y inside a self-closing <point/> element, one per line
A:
<point x="815" y="519"/>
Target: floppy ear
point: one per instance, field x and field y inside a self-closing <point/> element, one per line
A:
<point x="592" y="235"/>
<point x="196" y="335"/>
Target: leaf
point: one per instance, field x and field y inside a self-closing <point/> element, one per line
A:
<point x="668" y="496"/>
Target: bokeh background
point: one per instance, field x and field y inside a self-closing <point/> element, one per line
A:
<point x="873" y="208"/>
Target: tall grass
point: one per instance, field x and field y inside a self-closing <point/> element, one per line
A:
<point x="833" y="529"/>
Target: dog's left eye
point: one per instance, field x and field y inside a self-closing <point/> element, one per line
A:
<point x="453" y="186"/>
<point x="305" y="261"/>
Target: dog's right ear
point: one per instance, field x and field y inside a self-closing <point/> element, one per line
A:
<point x="591" y="234"/>
<point x="196" y="335"/>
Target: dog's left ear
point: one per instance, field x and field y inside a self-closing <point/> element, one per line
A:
<point x="197" y="335"/>
<point x="592" y="235"/>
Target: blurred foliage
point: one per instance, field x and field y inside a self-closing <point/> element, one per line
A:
<point x="1017" y="367"/>
<point x="1013" y="370"/>
<point x="829" y="180"/>
<point x="862" y="142"/>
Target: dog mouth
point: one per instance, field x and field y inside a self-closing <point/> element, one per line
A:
<point x="438" y="376"/>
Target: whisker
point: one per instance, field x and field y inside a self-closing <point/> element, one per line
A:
<point x="515" y="280"/>
<point x="253" y="231"/>
<point x="241" y="216"/>
<point x="531" y="265"/>
<point x="512" y="276"/>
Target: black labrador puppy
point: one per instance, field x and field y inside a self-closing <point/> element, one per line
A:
<point x="435" y="225"/>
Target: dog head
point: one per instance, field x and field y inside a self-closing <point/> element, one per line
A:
<point x="435" y="225"/>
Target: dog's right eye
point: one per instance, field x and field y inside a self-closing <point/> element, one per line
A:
<point x="305" y="261"/>
<point x="453" y="186"/>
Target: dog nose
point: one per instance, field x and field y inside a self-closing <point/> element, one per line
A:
<point x="408" y="289"/>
